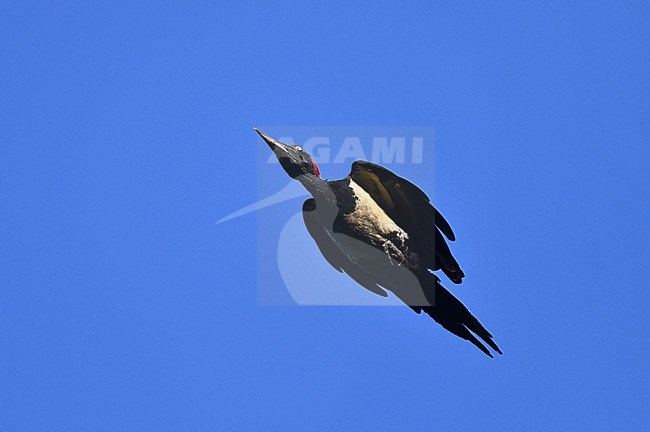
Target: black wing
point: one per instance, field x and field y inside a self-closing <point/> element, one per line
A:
<point x="442" y="306"/>
<point x="411" y="209"/>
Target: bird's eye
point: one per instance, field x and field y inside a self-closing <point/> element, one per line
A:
<point x="298" y="148"/>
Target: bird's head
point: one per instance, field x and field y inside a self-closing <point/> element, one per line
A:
<point x="295" y="161"/>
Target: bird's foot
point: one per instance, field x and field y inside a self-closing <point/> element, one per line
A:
<point x="389" y="247"/>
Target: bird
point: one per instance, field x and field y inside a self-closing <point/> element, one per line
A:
<point x="383" y="232"/>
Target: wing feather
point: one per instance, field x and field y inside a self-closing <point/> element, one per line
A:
<point x="410" y="208"/>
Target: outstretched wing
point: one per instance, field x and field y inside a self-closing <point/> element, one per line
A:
<point x="410" y="208"/>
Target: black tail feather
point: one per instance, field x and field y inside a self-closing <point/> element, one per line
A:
<point x="451" y="314"/>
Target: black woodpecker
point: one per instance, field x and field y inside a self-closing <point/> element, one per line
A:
<point x="383" y="231"/>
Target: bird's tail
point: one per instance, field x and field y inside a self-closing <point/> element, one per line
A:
<point x="450" y="313"/>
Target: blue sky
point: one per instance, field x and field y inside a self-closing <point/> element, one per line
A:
<point x="126" y="132"/>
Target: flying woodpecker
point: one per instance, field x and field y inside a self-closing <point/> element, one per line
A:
<point x="383" y="232"/>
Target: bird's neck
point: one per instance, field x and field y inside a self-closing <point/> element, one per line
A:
<point x="320" y="190"/>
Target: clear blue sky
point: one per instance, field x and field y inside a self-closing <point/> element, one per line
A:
<point x="126" y="133"/>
